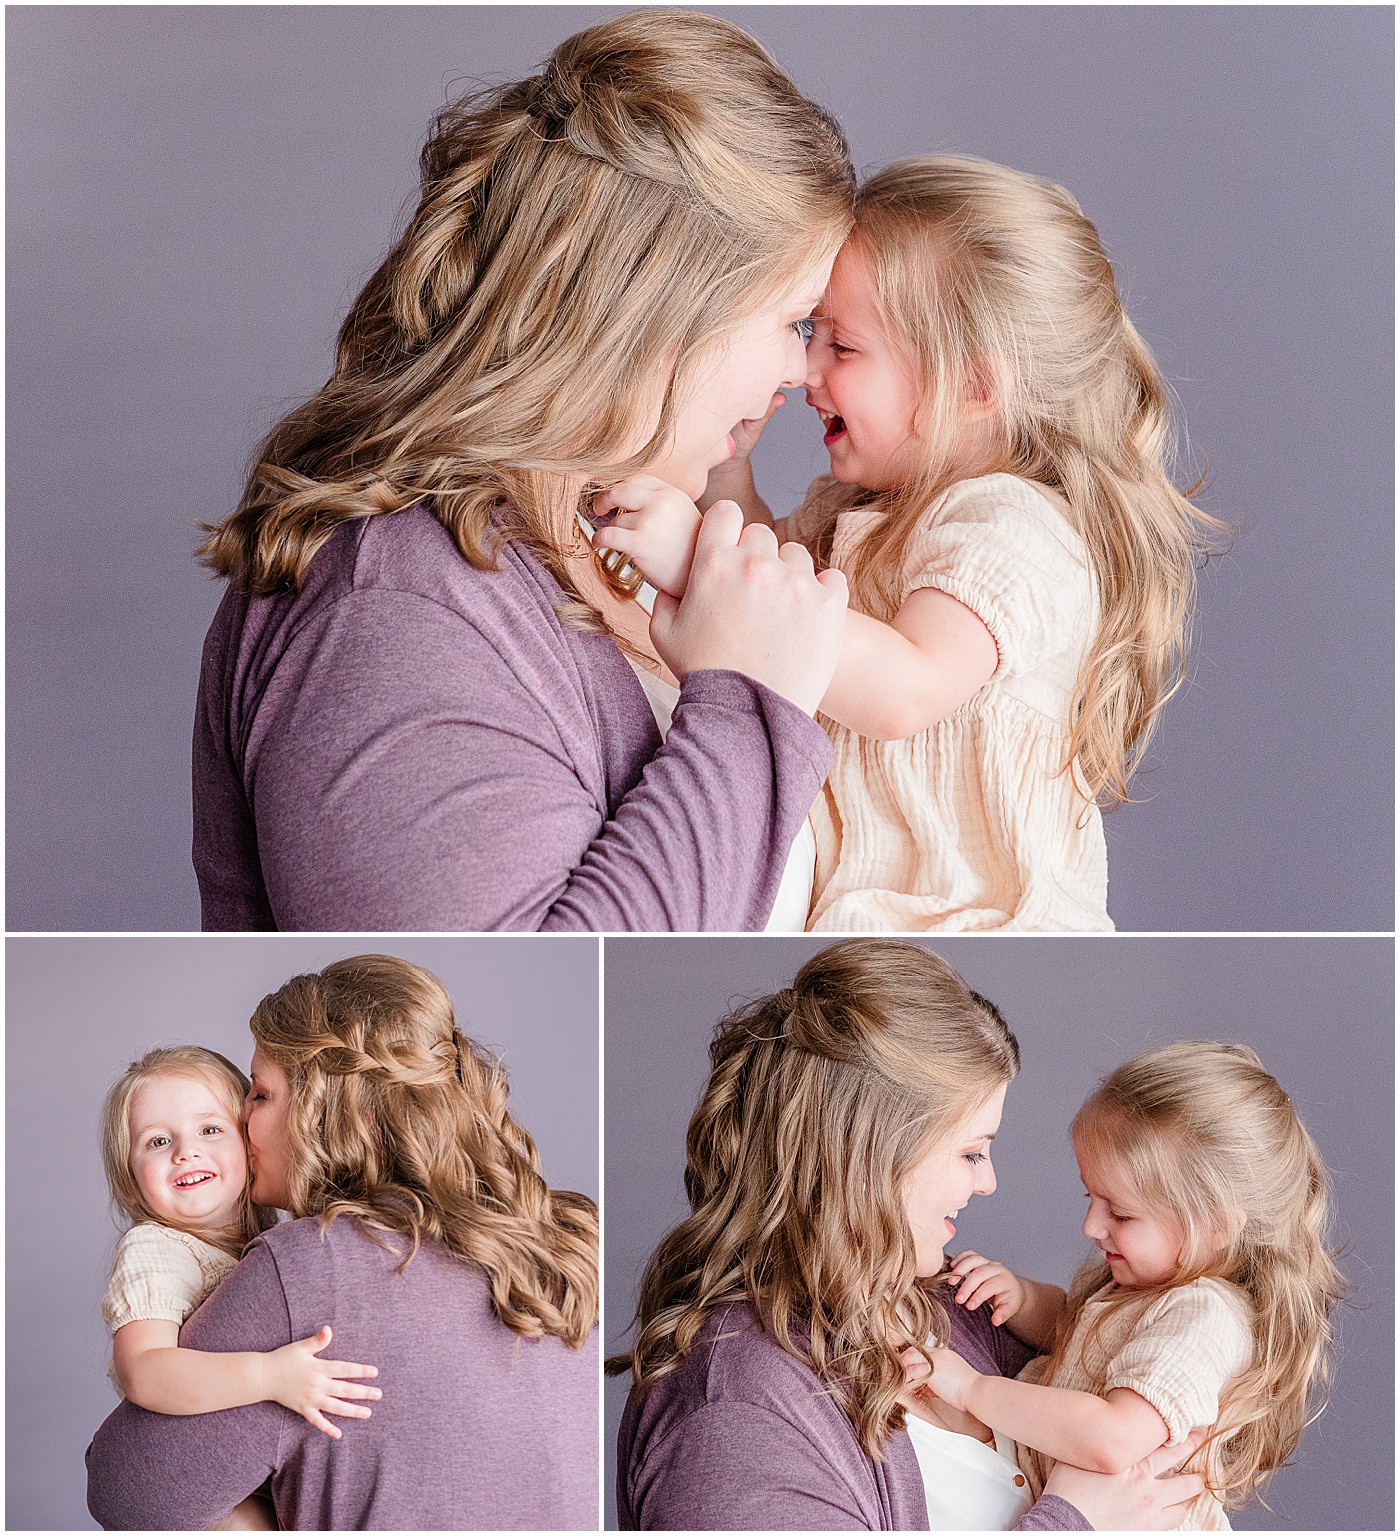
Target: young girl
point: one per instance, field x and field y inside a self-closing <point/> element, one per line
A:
<point x="1209" y="1300"/>
<point x="177" y="1166"/>
<point x="1021" y="567"/>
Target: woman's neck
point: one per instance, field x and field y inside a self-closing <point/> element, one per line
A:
<point x="627" y="621"/>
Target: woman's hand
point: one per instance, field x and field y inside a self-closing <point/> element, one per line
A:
<point x="314" y="1388"/>
<point x="754" y="608"/>
<point x="748" y="432"/>
<point x="980" y="1280"/>
<point x="1149" y="1496"/>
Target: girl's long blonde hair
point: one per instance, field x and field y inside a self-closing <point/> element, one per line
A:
<point x="395" y="1118"/>
<point x="821" y="1098"/>
<point x="229" y="1085"/>
<point x="988" y="274"/>
<point x="584" y="237"/>
<point x="1212" y="1143"/>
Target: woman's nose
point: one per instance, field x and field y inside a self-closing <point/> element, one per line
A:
<point x="796" y="367"/>
<point x="986" y="1182"/>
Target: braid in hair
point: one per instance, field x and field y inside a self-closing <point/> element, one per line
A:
<point x="821" y="1097"/>
<point x="399" y="1121"/>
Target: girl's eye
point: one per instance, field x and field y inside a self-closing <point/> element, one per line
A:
<point x="158" y="1141"/>
<point x="211" y="1130"/>
<point x="1114" y="1216"/>
<point x="804" y="328"/>
<point x="841" y="351"/>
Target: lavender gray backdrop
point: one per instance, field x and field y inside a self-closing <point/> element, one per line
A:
<point x="1319" y="1011"/>
<point x="196" y="194"/>
<point x="78" y="1010"/>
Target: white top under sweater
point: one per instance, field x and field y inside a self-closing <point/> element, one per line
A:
<point x="1179" y="1353"/>
<point x="968" y="1485"/>
<point x="970" y="825"/>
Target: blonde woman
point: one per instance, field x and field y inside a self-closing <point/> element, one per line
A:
<point x="1207" y="1302"/>
<point x="425" y="1237"/>
<point x="422" y="700"/>
<point x="846" y="1122"/>
<point x="1021" y="563"/>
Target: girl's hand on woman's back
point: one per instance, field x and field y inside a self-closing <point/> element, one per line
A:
<point x="751" y="607"/>
<point x="312" y="1387"/>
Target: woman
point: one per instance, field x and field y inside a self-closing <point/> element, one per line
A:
<point x="416" y="705"/>
<point x="846" y="1122"/>
<point x="425" y="1236"/>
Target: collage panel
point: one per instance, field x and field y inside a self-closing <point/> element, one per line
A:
<point x="444" y="1176"/>
<point x="1232" y="1106"/>
<point x="374" y="693"/>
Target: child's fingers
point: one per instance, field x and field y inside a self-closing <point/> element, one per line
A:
<point x="318" y="1421"/>
<point x="350" y="1389"/>
<point x="346" y="1369"/>
<point x="345" y="1410"/>
<point x="626" y="541"/>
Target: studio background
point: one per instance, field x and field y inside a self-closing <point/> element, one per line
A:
<point x="79" y="1010"/>
<point x="1319" y="1012"/>
<point x="195" y="195"/>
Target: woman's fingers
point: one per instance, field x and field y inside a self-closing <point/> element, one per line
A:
<point x="1165" y="1457"/>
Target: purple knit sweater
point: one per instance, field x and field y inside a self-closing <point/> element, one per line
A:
<point x="743" y="1437"/>
<point x="478" y="1429"/>
<point x="412" y="743"/>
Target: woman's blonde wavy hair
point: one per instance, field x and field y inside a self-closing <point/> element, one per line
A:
<point x="229" y="1086"/>
<point x="821" y="1099"/>
<point x="396" y="1119"/>
<point x="1212" y="1144"/>
<point x="987" y="274"/>
<point x="584" y="238"/>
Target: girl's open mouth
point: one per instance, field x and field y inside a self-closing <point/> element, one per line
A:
<point x="835" y="427"/>
<point x="189" y="1180"/>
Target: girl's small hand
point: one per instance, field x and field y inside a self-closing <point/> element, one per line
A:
<point x="748" y="432"/>
<point x="653" y="524"/>
<point x="313" y="1387"/>
<point x="951" y="1380"/>
<point x="981" y="1280"/>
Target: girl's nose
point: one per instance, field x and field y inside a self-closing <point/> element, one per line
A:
<point x="1093" y="1227"/>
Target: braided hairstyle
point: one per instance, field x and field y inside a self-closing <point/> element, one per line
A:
<point x="584" y="238"/>
<point x="398" y="1120"/>
<point x="821" y="1098"/>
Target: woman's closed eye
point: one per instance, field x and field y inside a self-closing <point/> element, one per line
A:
<point x="805" y="328"/>
<point x="974" y="1157"/>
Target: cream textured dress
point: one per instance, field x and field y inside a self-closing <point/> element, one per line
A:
<point x="1179" y="1354"/>
<point x="971" y="825"/>
<point x="159" y="1273"/>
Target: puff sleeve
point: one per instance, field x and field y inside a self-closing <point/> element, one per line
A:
<point x="1186" y="1348"/>
<point x="154" y="1276"/>
<point x="1001" y="548"/>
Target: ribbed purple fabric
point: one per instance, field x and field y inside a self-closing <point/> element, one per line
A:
<point x="743" y="1437"/>
<point x="412" y="743"/>
<point x="478" y="1429"/>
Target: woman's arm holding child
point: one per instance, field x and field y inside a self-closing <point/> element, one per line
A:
<point x="157" y="1374"/>
<point x="1101" y="1434"/>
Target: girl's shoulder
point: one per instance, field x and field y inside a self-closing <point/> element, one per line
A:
<point x="150" y="1242"/>
<point x="1002" y="495"/>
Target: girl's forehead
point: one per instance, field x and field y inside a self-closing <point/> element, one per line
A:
<point x="177" y="1093"/>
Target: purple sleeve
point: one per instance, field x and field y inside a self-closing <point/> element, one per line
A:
<point x="1052" y="1513"/>
<point x="410" y="771"/>
<point x="155" y="1471"/>
<point x="733" y="1466"/>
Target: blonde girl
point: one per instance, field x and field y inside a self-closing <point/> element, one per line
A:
<point x="177" y="1167"/>
<point x="1000" y="499"/>
<point x="1208" y="1302"/>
